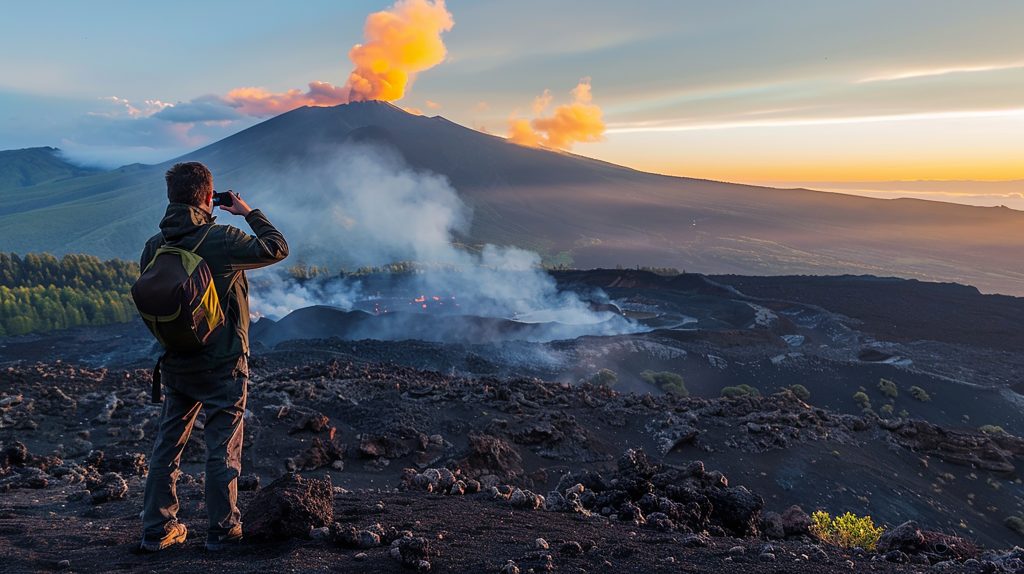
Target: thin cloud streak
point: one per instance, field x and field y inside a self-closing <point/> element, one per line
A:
<point x="645" y="127"/>
<point x="931" y="72"/>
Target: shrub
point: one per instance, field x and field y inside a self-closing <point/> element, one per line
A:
<point x="992" y="429"/>
<point x="800" y="391"/>
<point x="846" y="531"/>
<point x="886" y="410"/>
<point x="888" y="388"/>
<point x="862" y="399"/>
<point x="740" y="391"/>
<point x="1015" y="523"/>
<point x="920" y="394"/>
<point x="667" y="381"/>
<point x="604" y="378"/>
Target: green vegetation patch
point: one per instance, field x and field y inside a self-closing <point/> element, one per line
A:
<point x="41" y="293"/>
<point x="846" y="531"/>
<point x="667" y="381"/>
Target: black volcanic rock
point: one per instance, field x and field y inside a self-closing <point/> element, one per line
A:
<point x="289" y="507"/>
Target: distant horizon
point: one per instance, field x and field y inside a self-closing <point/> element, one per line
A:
<point x="945" y="191"/>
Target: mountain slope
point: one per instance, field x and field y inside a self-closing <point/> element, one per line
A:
<point x="567" y="207"/>
<point x="32" y="166"/>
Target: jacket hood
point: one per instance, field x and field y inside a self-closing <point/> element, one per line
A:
<point x="183" y="224"/>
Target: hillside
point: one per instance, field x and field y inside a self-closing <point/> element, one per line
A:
<point x="33" y="166"/>
<point x="569" y="208"/>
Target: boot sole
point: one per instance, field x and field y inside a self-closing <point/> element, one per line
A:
<point x="156" y="547"/>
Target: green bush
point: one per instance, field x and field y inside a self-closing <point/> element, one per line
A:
<point x="846" y="531"/>
<point x="667" y="381"/>
<point x="1015" y="523"/>
<point x="992" y="429"/>
<point x="740" y="391"/>
<point x="920" y="394"/>
<point x="888" y="388"/>
<point x="800" y="391"/>
<point x="862" y="399"/>
<point x="604" y="378"/>
<point x="886" y="410"/>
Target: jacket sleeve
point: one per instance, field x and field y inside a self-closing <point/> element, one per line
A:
<point x="254" y="251"/>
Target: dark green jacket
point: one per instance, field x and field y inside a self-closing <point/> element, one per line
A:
<point x="228" y="251"/>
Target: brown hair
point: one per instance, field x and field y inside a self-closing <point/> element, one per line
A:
<point x="189" y="183"/>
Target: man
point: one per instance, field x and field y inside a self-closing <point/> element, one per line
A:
<point x="215" y="378"/>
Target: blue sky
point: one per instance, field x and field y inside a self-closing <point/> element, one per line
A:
<point x="748" y="91"/>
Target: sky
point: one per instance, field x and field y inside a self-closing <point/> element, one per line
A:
<point x="851" y="96"/>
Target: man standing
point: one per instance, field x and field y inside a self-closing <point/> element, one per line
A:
<point x="214" y="378"/>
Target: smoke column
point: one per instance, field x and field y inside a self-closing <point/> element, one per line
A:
<point x="400" y="42"/>
<point x="360" y="204"/>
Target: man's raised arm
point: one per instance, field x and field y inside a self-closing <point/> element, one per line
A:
<point x="246" y="251"/>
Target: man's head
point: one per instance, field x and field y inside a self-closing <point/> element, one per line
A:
<point x="192" y="183"/>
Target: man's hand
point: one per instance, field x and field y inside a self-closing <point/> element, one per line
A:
<point x="238" y="207"/>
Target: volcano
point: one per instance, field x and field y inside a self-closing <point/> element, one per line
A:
<point x="571" y="209"/>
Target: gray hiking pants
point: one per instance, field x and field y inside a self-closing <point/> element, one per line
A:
<point x="221" y="392"/>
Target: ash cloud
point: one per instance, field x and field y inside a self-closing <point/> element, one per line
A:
<point x="399" y="43"/>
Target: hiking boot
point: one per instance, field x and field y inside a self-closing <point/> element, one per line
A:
<point x="229" y="539"/>
<point x="174" y="533"/>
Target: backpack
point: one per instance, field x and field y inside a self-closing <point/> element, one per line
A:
<point x="176" y="298"/>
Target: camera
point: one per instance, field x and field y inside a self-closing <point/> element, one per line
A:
<point x="224" y="199"/>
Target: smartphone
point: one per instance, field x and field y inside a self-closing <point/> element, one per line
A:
<point x="223" y="199"/>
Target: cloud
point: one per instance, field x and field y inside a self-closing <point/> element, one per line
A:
<point x="209" y="108"/>
<point x="125" y="108"/>
<point x="941" y="71"/>
<point x="572" y="123"/>
<point x="645" y="126"/>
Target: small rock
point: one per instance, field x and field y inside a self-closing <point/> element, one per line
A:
<point x="249" y="482"/>
<point x="291" y="506"/>
<point x="64" y="564"/>
<point x="541" y="544"/>
<point x="773" y="526"/>
<point x="796" y="522"/>
<point x="110" y="486"/>
<point x="695" y="541"/>
<point x="526" y="499"/>
<point x="737" y="550"/>
<point x="360" y="556"/>
<point x="571" y="548"/>
<point x="510" y="567"/>
<point x="767" y="557"/>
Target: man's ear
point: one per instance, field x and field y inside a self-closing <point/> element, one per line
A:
<point x="209" y="197"/>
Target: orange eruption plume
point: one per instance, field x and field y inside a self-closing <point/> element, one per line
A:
<point x="400" y="42"/>
<point x="579" y="121"/>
